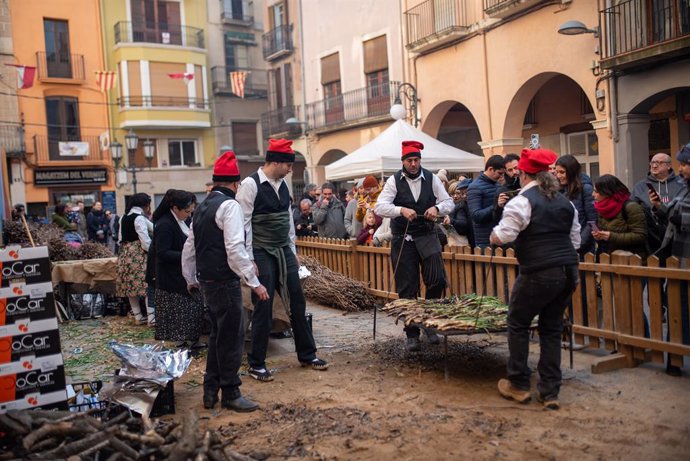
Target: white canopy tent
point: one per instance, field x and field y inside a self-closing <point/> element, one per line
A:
<point x="382" y="155"/>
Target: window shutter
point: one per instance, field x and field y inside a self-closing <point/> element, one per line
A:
<point x="330" y="69"/>
<point x="375" y="54"/>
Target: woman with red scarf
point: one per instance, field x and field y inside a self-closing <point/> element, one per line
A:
<point x="621" y="224"/>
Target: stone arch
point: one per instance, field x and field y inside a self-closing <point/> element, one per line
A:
<point x="453" y="123"/>
<point x="331" y="156"/>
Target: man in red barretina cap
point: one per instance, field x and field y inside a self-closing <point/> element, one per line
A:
<point x="270" y="241"/>
<point x="214" y="258"/>
<point x="413" y="198"/>
<point x="546" y="231"/>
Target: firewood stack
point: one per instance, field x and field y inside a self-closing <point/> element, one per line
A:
<point x="41" y="434"/>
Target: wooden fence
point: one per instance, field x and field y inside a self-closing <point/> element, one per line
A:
<point x="608" y="307"/>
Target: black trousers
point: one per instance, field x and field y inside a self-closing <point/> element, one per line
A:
<point x="262" y="319"/>
<point x="226" y="341"/>
<point x="545" y="293"/>
<point x="406" y="263"/>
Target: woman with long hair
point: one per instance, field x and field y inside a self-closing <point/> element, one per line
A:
<point x="131" y="262"/>
<point x="179" y="316"/>
<point x="577" y="187"/>
<point x="622" y="224"/>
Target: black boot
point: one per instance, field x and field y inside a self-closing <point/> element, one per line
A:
<point x="210" y="399"/>
<point x="235" y="401"/>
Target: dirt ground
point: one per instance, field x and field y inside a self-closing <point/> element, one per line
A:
<point x="379" y="402"/>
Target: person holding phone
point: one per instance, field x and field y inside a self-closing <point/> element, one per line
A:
<point x="622" y="223"/>
<point x="577" y="187"/>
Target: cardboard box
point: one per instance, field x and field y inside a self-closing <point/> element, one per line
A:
<point x="36" y="400"/>
<point x="28" y="265"/>
<point x="17" y="386"/>
<point x="38" y="343"/>
<point x="20" y="301"/>
<point x="31" y="362"/>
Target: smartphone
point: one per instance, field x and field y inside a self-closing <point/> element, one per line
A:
<point x="651" y="187"/>
<point x="593" y="226"/>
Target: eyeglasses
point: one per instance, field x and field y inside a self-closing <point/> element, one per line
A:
<point x="654" y="162"/>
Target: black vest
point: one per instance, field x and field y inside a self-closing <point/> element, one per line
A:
<point x="266" y="201"/>
<point x="211" y="257"/>
<point x="129" y="233"/>
<point x="404" y="198"/>
<point x="546" y="240"/>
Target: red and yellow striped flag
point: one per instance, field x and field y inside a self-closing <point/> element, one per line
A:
<point x="106" y="79"/>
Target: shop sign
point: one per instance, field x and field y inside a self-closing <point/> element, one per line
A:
<point x="51" y="177"/>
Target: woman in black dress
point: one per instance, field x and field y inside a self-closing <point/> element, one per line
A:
<point x="179" y="316"/>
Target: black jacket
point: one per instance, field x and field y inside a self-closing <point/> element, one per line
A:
<point x="168" y="241"/>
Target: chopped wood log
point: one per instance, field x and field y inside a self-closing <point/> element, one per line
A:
<point x="187" y="445"/>
<point x="233" y="455"/>
<point x="10" y="424"/>
<point x="61" y="430"/>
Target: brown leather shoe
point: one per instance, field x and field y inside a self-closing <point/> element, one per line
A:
<point x="507" y="390"/>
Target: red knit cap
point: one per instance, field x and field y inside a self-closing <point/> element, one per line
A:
<point x="532" y="161"/>
<point x="225" y="169"/>
<point x="280" y="150"/>
<point x="411" y="149"/>
<point x="370" y="181"/>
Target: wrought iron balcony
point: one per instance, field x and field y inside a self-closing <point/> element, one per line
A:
<point x="277" y="42"/>
<point x="638" y="32"/>
<point x="58" y="65"/>
<point x="273" y="122"/>
<point x="12" y="140"/>
<point x="352" y="107"/>
<point x="163" y="33"/>
<point x="255" y="84"/>
<point x="67" y="148"/>
<point x="436" y="22"/>
<point x="171" y="102"/>
<point x="505" y="8"/>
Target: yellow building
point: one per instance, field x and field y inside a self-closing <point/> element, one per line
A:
<point x="159" y="50"/>
<point x="64" y="112"/>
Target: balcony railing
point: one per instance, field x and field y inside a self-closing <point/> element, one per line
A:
<point x="505" y="8"/>
<point x="172" y="102"/>
<point x="163" y="33"/>
<point x="273" y="122"/>
<point x="635" y="27"/>
<point x="277" y="42"/>
<point x="354" y="106"/>
<point x="12" y="139"/>
<point x="255" y="84"/>
<point x="56" y="65"/>
<point x="67" y="148"/>
<point x="436" y="19"/>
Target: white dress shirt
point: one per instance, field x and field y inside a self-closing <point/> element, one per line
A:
<point x="384" y="205"/>
<point x="246" y="195"/>
<point x="228" y="219"/>
<point x="141" y="226"/>
<point x="516" y="217"/>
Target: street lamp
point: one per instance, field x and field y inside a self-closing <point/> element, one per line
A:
<point x="574" y="27"/>
<point x="398" y="111"/>
<point x="131" y="142"/>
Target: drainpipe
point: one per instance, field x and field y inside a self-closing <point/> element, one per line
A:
<point x="486" y="85"/>
<point x="303" y="103"/>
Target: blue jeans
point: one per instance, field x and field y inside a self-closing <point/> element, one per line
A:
<point x="262" y="318"/>
<point x="226" y="341"/>
<point x="545" y="293"/>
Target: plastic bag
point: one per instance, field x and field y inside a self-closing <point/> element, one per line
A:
<point x="87" y="305"/>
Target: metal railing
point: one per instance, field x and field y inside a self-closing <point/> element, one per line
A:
<point x="436" y="17"/>
<point x="277" y="41"/>
<point x="637" y="24"/>
<point x="56" y="148"/>
<point x="352" y="106"/>
<point x="273" y="121"/>
<point x="55" y="65"/>
<point x="12" y="139"/>
<point x="255" y="84"/>
<point x="174" y="102"/>
<point x="163" y="33"/>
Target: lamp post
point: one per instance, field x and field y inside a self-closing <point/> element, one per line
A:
<point x="131" y="143"/>
<point x="398" y="111"/>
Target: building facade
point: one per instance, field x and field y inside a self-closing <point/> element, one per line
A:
<point x="64" y="114"/>
<point x="159" y="50"/>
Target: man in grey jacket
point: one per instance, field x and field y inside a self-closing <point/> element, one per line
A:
<point x="329" y="214"/>
<point x="662" y="178"/>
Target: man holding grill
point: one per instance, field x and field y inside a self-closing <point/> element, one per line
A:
<point x="546" y="231"/>
<point x="413" y="198"/>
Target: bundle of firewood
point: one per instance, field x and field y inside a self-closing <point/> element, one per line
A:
<point x="333" y="289"/>
<point x="15" y="232"/>
<point x="41" y="434"/>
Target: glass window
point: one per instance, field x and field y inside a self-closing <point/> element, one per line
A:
<point x="58" y="55"/>
<point x="584" y="146"/>
<point x="182" y="153"/>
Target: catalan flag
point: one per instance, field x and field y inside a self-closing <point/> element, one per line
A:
<point x="237" y="80"/>
<point x="106" y="79"/>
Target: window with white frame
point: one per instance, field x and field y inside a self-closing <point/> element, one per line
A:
<point x="584" y="146"/>
<point x="182" y="152"/>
